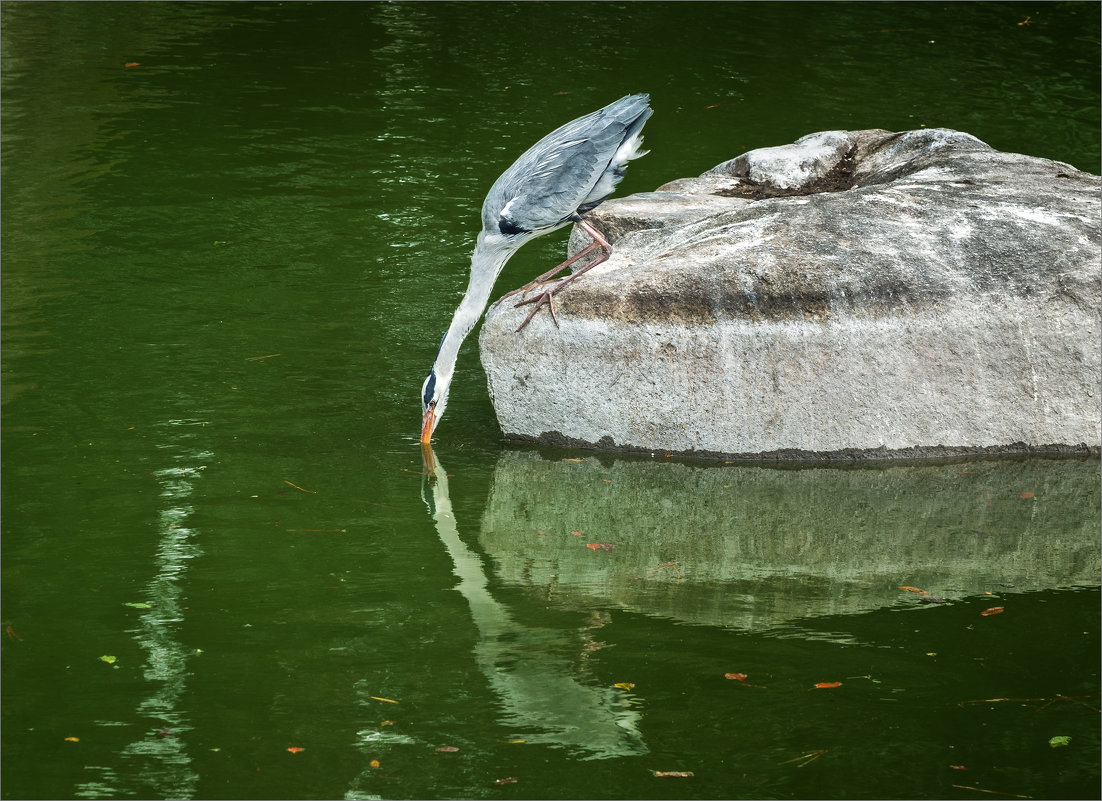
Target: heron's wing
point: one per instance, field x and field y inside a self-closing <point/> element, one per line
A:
<point x="561" y="172"/>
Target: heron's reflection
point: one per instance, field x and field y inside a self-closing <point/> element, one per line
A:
<point x="543" y="698"/>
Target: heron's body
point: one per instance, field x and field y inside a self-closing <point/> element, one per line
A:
<point x="565" y="174"/>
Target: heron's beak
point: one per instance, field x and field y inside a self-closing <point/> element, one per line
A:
<point x="428" y="423"/>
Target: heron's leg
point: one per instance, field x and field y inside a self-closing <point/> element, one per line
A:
<point x="597" y="243"/>
<point x="542" y="279"/>
<point x="548" y="295"/>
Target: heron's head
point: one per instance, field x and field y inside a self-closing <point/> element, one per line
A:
<point x="434" y="398"/>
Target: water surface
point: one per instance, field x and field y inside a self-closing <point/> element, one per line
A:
<point x="232" y="237"/>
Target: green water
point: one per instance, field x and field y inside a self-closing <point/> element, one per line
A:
<point x="226" y="269"/>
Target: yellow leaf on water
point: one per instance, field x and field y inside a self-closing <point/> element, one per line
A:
<point x="388" y="723"/>
<point x="72" y="739"/>
<point x="624" y="685"/>
<point x="108" y="659"/>
<point x="388" y="700"/>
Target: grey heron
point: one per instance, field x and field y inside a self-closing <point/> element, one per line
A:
<point x="560" y="178"/>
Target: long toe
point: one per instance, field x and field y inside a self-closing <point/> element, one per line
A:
<point x="539" y="300"/>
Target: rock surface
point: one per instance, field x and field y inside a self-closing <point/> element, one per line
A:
<point x="859" y="294"/>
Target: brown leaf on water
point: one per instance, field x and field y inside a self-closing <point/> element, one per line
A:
<point x="132" y="64"/>
<point x="576" y="533"/>
<point x="296" y="749"/>
<point x="1026" y="495"/>
<point x="599" y="546"/>
<point x="735" y="676"/>
<point x="388" y="723"/>
<point x="451" y="749"/>
<point x="12" y="635"/>
<point x="994" y="610"/>
<point x="828" y="685"/>
<point x="296" y="486"/>
<point x="673" y="565"/>
<point x="509" y="780"/>
<point x="914" y="589"/>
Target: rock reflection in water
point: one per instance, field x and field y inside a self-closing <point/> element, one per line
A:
<point x="757" y="548"/>
<point x="533" y="671"/>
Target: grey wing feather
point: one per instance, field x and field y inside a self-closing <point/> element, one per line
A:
<point x="575" y="166"/>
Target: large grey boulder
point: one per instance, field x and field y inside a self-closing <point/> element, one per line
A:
<point x="856" y="293"/>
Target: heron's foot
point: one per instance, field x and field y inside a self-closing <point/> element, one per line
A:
<point x="533" y="284"/>
<point x="546" y="297"/>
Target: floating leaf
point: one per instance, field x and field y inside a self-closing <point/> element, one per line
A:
<point x="827" y="685"/>
<point x="388" y="700"/>
<point x="958" y="767"/>
<point x="576" y="533"/>
<point x="510" y="780"/>
<point x="139" y="606"/>
<point x="624" y="685"/>
<point x="72" y="739"/>
<point x="108" y="659"/>
<point x="516" y="742"/>
<point x="680" y="774"/>
<point x="914" y="589"/>
<point x="388" y="723"/>
<point x="994" y="610"/>
<point x="599" y="546"/>
<point x="374" y="763"/>
<point x="132" y="64"/>
<point x="735" y="676"/>
<point x="1059" y="740"/>
<point x="805" y="759"/>
<point x="451" y="749"/>
<point x="1026" y="495"/>
<point x="295" y="749"/>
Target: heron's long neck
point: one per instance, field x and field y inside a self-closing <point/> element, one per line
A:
<point x="486" y="264"/>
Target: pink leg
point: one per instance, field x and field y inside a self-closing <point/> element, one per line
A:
<point x="541" y="279"/>
<point x="547" y="296"/>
